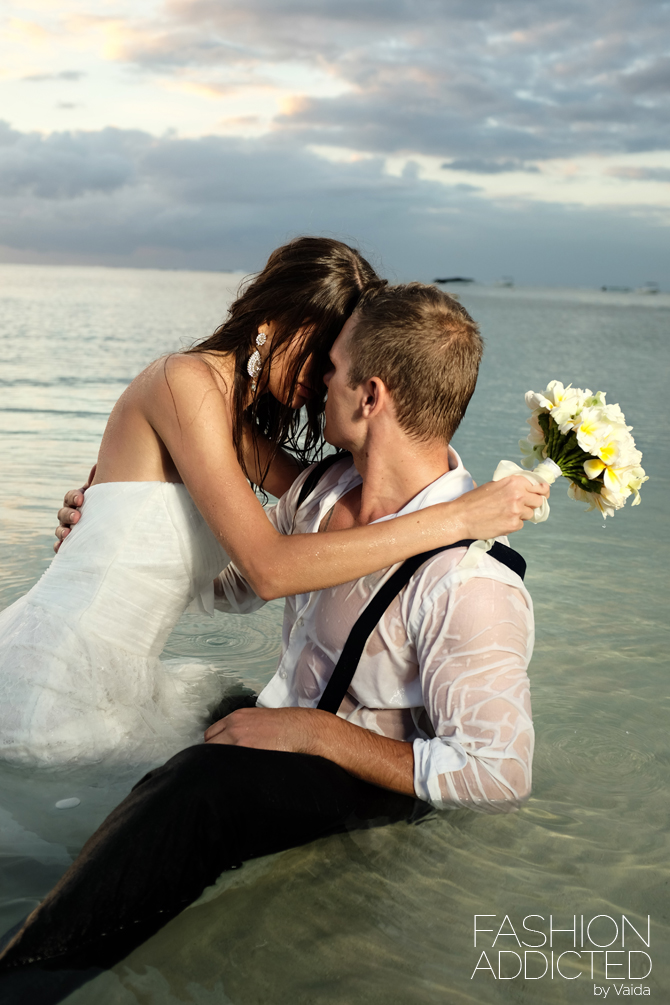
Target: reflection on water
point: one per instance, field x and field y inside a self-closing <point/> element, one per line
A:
<point x="245" y="646"/>
<point x="382" y="916"/>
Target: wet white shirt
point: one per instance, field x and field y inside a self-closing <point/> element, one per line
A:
<point x="445" y="669"/>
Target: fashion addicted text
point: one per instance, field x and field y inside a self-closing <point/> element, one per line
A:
<point x="564" y="948"/>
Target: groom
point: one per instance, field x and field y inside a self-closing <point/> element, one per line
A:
<point x="437" y="715"/>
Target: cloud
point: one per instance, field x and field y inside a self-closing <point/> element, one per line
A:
<point x="72" y="75"/>
<point x="66" y="165"/>
<point x="126" y="197"/>
<point x="479" y="166"/>
<point x="488" y="88"/>
<point x="640" y="173"/>
<point x="493" y="80"/>
<point x="652" y="79"/>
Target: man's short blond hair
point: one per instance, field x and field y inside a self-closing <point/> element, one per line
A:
<point x="425" y="347"/>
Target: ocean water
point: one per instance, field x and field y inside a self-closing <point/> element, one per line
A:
<point x="385" y="917"/>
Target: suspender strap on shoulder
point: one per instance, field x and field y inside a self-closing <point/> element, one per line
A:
<point x="316" y="474"/>
<point x="345" y="668"/>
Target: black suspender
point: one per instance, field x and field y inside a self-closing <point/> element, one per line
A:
<point x="316" y="474"/>
<point x="345" y="668"/>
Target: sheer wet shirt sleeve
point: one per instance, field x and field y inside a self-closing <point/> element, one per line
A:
<point x="232" y="593"/>
<point x="473" y="644"/>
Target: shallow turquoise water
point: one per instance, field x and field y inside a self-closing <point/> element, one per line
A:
<point x="386" y="916"/>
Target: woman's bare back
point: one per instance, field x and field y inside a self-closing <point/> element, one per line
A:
<point x="131" y="449"/>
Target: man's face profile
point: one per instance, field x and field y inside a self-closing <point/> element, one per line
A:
<point x="341" y="403"/>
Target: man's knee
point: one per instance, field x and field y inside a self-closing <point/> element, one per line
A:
<point x="208" y="771"/>
<point x="247" y="786"/>
<point x="185" y="768"/>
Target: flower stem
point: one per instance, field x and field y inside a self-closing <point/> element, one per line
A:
<point x="564" y="450"/>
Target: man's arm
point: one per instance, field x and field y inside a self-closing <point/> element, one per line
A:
<point x="473" y="645"/>
<point x="367" y="755"/>
<point x="474" y="642"/>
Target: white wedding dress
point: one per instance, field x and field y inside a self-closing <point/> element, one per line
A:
<point x="80" y="677"/>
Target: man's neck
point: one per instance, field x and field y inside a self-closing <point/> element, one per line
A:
<point x="395" y="469"/>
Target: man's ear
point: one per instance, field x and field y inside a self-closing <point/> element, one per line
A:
<point x="375" y="395"/>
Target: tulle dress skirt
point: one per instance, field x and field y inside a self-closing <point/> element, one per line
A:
<point x="81" y="680"/>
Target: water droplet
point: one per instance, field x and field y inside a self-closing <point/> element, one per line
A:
<point x="66" y="804"/>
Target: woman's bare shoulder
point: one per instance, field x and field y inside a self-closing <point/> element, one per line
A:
<point x="181" y="364"/>
<point x="184" y="386"/>
<point x="179" y="371"/>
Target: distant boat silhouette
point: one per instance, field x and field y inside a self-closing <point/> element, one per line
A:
<point x="649" y="287"/>
<point x="454" y="279"/>
<point x="506" y="281"/>
<point x="615" y="289"/>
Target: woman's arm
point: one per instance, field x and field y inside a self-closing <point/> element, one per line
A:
<point x="190" y="414"/>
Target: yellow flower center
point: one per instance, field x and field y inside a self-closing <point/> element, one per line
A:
<point x="608" y="452"/>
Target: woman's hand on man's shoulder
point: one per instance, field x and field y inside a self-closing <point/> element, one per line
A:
<point x="70" y="513"/>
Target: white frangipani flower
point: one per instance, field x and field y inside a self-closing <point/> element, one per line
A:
<point x="604" y="501"/>
<point x="568" y="399"/>
<point x="531" y="454"/>
<point x="536" y="434"/>
<point x="613" y="413"/>
<point x="593" y="430"/>
<point x="563" y="403"/>
<point x="537" y="401"/>
<point x="616" y="480"/>
<point x="607" y="502"/>
<point x="566" y="414"/>
<point x="556" y="392"/>
<point x="579" y="494"/>
<point x="637" y="478"/>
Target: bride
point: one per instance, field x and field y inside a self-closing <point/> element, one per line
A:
<point x="171" y="503"/>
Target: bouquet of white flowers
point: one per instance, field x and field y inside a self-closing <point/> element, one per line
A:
<point x="589" y="441"/>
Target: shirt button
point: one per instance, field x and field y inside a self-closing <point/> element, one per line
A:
<point x="300" y="622"/>
<point x="282" y="674"/>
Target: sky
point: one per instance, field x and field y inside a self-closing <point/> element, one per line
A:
<point x="443" y="137"/>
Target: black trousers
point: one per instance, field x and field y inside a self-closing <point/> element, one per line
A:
<point x="206" y="810"/>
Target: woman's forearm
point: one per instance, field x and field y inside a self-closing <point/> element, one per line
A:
<point x="301" y="563"/>
<point x="282" y="566"/>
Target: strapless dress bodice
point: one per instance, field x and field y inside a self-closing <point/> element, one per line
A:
<point x="139" y="556"/>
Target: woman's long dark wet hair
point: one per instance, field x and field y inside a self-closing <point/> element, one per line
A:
<point x="313" y="284"/>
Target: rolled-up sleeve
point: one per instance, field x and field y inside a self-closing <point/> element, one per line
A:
<point x="474" y="643"/>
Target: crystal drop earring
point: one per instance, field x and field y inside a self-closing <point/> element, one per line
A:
<point x="254" y="361"/>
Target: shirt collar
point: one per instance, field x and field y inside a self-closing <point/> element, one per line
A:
<point x="452" y="484"/>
